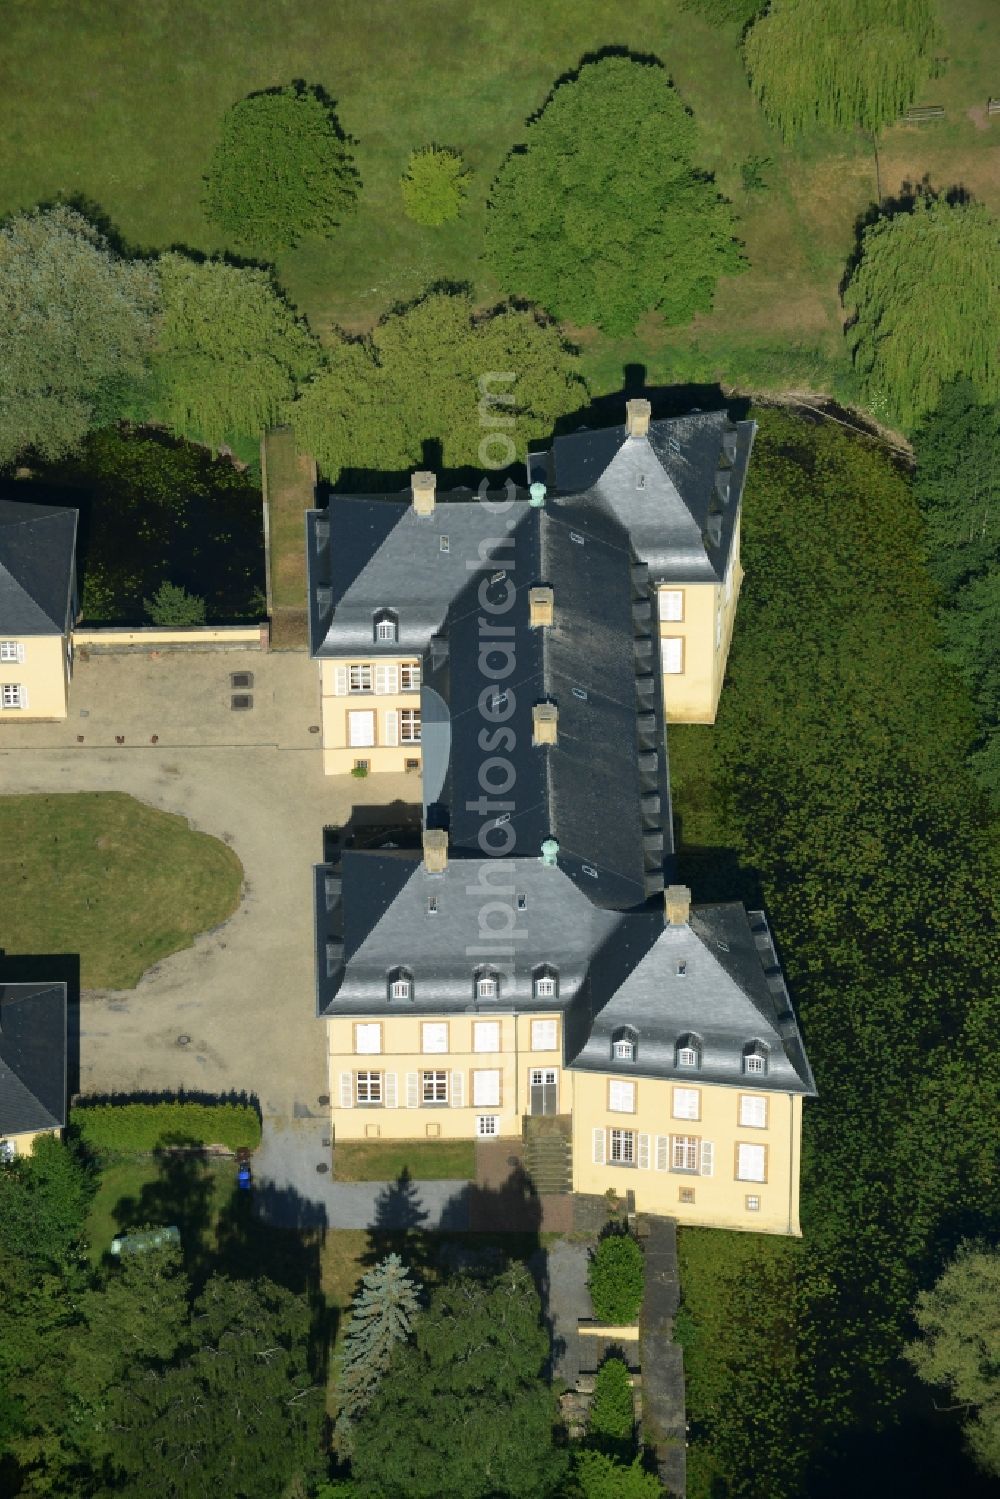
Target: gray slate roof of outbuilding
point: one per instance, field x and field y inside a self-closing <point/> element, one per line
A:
<point x="37" y="568"/>
<point x="32" y="1057"/>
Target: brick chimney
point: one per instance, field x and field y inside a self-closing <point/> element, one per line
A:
<point x="637" y="414"/>
<point x="435" y="850"/>
<point x="677" y="905"/>
<point x="541" y="602"/>
<point x="422" y="487"/>
<point x="544" y="723"/>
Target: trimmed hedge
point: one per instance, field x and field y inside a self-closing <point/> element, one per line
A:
<point x="128" y="1127"/>
<point x="615" y="1279"/>
<point x="612" y="1412"/>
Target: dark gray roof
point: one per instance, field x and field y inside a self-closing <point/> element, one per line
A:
<point x="32" y="1057"/>
<point x="602" y="790"/>
<point x="677" y="492"/>
<point x="37" y="568"/>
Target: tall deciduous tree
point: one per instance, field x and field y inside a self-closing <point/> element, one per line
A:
<point x="602" y="215"/>
<point x="76" y="326"/>
<point x="480" y="386"/>
<point x="959" y="1345"/>
<point x="925" y="301"/>
<point x="842" y="62"/>
<point x="281" y="170"/>
<point x="465" y="1409"/>
<point x="230" y="351"/>
<point x="382" y="1315"/>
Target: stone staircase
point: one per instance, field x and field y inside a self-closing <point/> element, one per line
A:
<point x="548" y="1153"/>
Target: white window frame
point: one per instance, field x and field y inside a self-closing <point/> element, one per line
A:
<point x="486" y="1087"/>
<point x="487" y="986"/>
<point x="623" y="1050"/>
<point x="621" y="1096"/>
<point x="360" y="677"/>
<point x="434" y="1087"/>
<point x="409" y="676"/>
<point x="434" y="1037"/>
<point x="686" y="1103"/>
<point x="484" y="1031"/>
<point x="751" y="1159"/>
<point x="684" y="1153"/>
<point x="368" y="1089"/>
<point x="752" y="1202"/>
<point x="687" y="1056"/>
<point x="753" y="1111"/>
<point x="545" y="986"/>
<point x="13" y="695"/>
<point x="385" y="631"/>
<point x="544" y="1035"/>
<point x="368" y="1039"/>
<point x="754" y="1063"/>
<point x="621" y="1147"/>
<point x="672" y="655"/>
<point x="409" y="725"/>
<point x="355" y="720"/>
<point x="671" y="605"/>
<point x="401" y="988"/>
<point x="487" y="1126"/>
<point x="11" y="652"/>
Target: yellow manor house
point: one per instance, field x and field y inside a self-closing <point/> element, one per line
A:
<point x="532" y="968"/>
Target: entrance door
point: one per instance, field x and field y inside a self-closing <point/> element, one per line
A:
<point x="544" y="1090"/>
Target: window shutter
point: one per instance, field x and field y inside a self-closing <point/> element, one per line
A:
<point x="391" y="1100"/>
<point x="340" y="681"/>
<point x="644" y="1152"/>
<point x="707" y="1157"/>
<point x="20" y="653"/>
<point x="458" y="1090"/>
<point x="599" y="1147"/>
<point x="386" y="677"/>
<point x="346" y="1091"/>
<point x="390" y="726"/>
<point x="411" y="1090"/>
<point x="663" y="1152"/>
<point x="24" y="696"/>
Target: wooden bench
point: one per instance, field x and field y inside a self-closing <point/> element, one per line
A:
<point x="993" y="106"/>
<point x="925" y="112"/>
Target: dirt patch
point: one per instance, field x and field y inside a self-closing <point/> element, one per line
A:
<point x="979" y="116"/>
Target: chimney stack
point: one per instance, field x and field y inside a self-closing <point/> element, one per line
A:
<point x="637" y="414"/>
<point x="544" y="723"/>
<point x="541" y="603"/>
<point x="677" y="905"/>
<point x="422" y="487"/>
<point x="435" y="850"/>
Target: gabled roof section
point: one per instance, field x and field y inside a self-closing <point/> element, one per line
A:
<point x="32" y="1057"/>
<point x="37" y="568"/>
<point x="677" y="489"/>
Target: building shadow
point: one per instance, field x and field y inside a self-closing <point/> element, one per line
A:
<point x="52" y="968"/>
<point x="376" y="825"/>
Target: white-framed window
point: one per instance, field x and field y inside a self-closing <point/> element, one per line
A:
<point x="622" y="1151"/>
<point x="401" y="986"/>
<point x="685" y="1194"/>
<point x="368" y="1087"/>
<point x="751" y="1163"/>
<point x="360" y="678"/>
<point x="434" y="1087"/>
<point x="486" y="1088"/>
<point x="434" y="1035"/>
<point x="544" y="1035"/>
<point x="687" y="1055"/>
<point x="385" y="630"/>
<point x="7" y="1150"/>
<point x="753" y="1111"/>
<point x="752" y="1202"/>
<point x="14" y="695"/>
<point x="545" y="986"/>
<point x="687" y="1103"/>
<point x="386" y="677"/>
<point x="684" y="1152"/>
<point x="361" y="729"/>
<point x="487" y="986"/>
<point x="368" y="1039"/>
<point x="755" y="1058"/>
<point x="486" y="1035"/>
<point x="409" y="725"/>
<point x="671" y="602"/>
<point x="11" y="650"/>
<point x="621" y="1097"/>
<point x="364" y="765"/>
<point x="672" y="655"/>
<point x="409" y="676"/>
<point x="623" y="1045"/>
<point x="487" y="1125"/>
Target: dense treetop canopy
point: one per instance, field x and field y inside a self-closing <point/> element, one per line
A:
<point x="602" y="215"/>
<point x="76" y="326"/>
<point x="840" y="62"/>
<point x="281" y="170"/>
<point x="925" y="297"/>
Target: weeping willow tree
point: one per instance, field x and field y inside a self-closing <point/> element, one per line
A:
<point x="925" y="300"/>
<point x="840" y="62"/>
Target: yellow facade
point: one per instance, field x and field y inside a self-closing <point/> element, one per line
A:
<point x="23" y="1144"/>
<point x="34" y="677"/>
<point x="375" y="704"/>
<point x="696" y="627"/>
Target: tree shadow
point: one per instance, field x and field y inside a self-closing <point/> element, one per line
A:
<point x="902" y="202"/>
<point x="180" y="1196"/>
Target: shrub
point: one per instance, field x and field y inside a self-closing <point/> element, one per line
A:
<point x="612" y="1414"/>
<point x="615" y="1279"/>
<point x="602" y="1477"/>
<point x="172" y="605"/>
<point x="434" y="185"/>
<point x="128" y="1127"/>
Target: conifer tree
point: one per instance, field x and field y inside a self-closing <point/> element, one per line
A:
<point x="381" y="1316"/>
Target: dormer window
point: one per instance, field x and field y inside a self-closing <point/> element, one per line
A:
<point x="400" y="984"/>
<point x="755" y="1058"/>
<point x="386" y="627"/>
<point x="545" y="984"/>
<point x="688" y="1052"/>
<point x="623" y="1044"/>
<point x="487" y="985"/>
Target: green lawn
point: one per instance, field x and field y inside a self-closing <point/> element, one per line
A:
<point x="105" y="876"/>
<point x="126" y="109"/>
<point x="437" y="1160"/>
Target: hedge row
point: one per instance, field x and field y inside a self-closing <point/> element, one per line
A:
<point x="615" y="1279"/>
<point x="145" y="1126"/>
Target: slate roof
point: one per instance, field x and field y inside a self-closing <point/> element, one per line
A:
<point x="32" y="1057"/>
<point x="677" y="491"/>
<point x="37" y="568"/>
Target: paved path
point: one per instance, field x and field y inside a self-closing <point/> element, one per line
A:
<point x="662" y="1359"/>
<point x="568" y="1300"/>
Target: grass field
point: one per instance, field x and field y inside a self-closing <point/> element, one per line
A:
<point x="440" y="1160"/>
<point x="105" y="876"/>
<point x="122" y="104"/>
